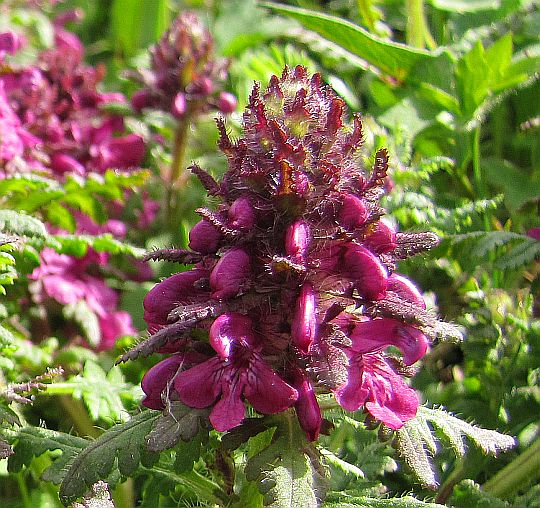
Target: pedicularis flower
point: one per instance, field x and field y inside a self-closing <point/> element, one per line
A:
<point x="185" y="77"/>
<point x="294" y="291"/>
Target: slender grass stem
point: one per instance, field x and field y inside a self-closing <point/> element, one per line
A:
<point x="418" y="34"/>
<point x="79" y="416"/>
<point x="177" y="176"/>
<point x="522" y="471"/>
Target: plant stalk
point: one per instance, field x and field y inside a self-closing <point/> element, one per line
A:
<point x="521" y="472"/>
<point x="79" y="416"/>
<point x="177" y="176"/>
<point x="418" y="34"/>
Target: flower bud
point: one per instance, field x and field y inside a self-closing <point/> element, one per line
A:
<point x="141" y="99"/>
<point x="227" y="102"/>
<point x="204" y="238"/>
<point x="353" y="212"/>
<point x="366" y="270"/>
<point x="178" y="107"/>
<point x="304" y="323"/>
<point x="297" y="240"/>
<point x="241" y="214"/>
<point x="382" y="239"/>
<point x="230" y="274"/>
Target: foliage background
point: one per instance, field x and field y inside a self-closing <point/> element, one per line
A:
<point x="458" y="109"/>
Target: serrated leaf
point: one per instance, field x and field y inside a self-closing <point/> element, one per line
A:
<point x="21" y="224"/>
<point x="391" y="58"/>
<point x="179" y="422"/>
<point x="338" y="500"/>
<point x="124" y="443"/>
<point x="415" y="443"/>
<point x="101" y="392"/>
<point x="8" y="415"/>
<point x="285" y="474"/>
<point x="34" y="441"/>
<point x="86" y="318"/>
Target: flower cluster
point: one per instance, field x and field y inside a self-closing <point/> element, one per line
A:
<point x="58" y="103"/>
<point x="294" y="281"/>
<point x="52" y="121"/>
<point x="184" y="78"/>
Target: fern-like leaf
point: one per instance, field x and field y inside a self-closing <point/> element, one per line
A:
<point x="415" y="441"/>
<point x="123" y="444"/>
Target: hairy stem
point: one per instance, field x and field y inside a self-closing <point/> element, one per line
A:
<point x="522" y="471"/>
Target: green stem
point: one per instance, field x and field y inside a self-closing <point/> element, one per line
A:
<point x="364" y="9"/>
<point x="23" y="489"/>
<point x="522" y="471"/>
<point x="177" y="176"/>
<point x="79" y="416"/>
<point x="204" y="488"/>
<point x="453" y="479"/>
<point x="123" y="495"/>
<point x="418" y="34"/>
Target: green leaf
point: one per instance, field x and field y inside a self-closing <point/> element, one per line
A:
<point x="416" y="443"/>
<point x="32" y="442"/>
<point x="461" y="6"/>
<point x="86" y="318"/>
<point x="285" y="474"/>
<point x="391" y="58"/>
<point x="339" y="500"/>
<point x="468" y="493"/>
<point x="517" y="186"/>
<point x="124" y="443"/>
<point x="101" y="392"/>
<point x="21" y="224"/>
<point x="8" y="415"/>
<point x="178" y="423"/>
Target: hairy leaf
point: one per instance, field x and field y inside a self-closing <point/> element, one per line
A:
<point x="122" y="446"/>
<point x="21" y="224"/>
<point x="101" y="392"/>
<point x="286" y="475"/>
<point x="32" y="442"/>
<point x="342" y="500"/>
<point x="179" y="422"/>
<point x="415" y="441"/>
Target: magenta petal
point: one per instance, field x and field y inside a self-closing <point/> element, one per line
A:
<point x="352" y="394"/>
<point x="353" y="212"/>
<point x="229" y="410"/>
<point x="398" y="405"/>
<point x="113" y="326"/>
<point x="178" y="107"/>
<point x="227" y="102"/>
<point x="204" y="237"/>
<point x="65" y="289"/>
<point x="168" y="294"/>
<point x="534" y="233"/>
<point x="228" y="329"/>
<point x="266" y="391"/>
<point x="374" y="335"/>
<point x="155" y="381"/>
<point x="304" y="325"/>
<point x="230" y="273"/>
<point x="405" y="289"/>
<point x="200" y="386"/>
<point x="368" y="273"/>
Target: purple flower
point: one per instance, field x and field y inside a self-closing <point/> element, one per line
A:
<point x="66" y="280"/>
<point x="185" y="77"/>
<point x="294" y="281"/>
<point x="236" y="372"/>
<point x="372" y="383"/>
